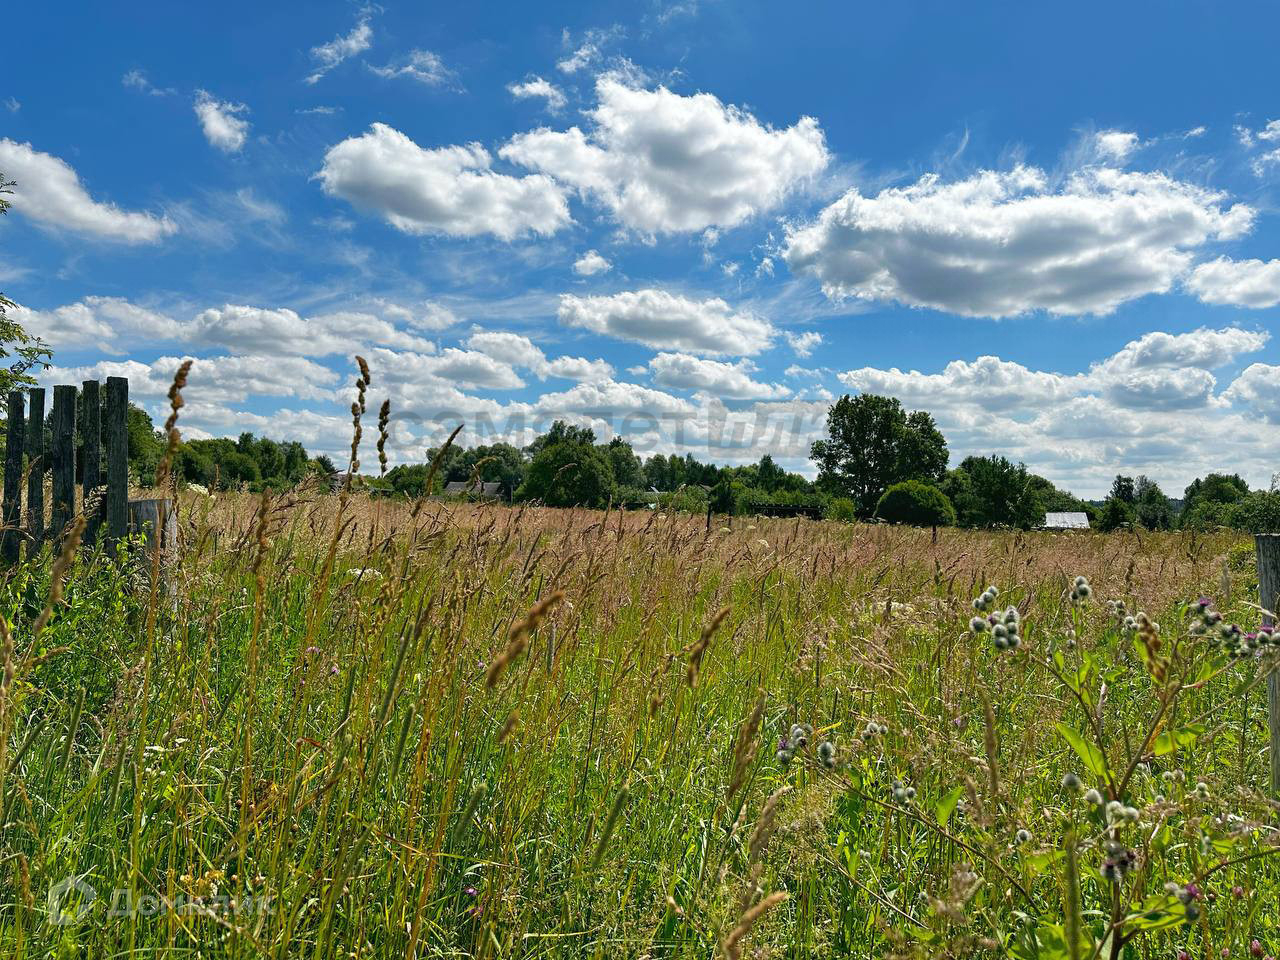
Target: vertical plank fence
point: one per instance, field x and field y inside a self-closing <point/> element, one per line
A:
<point x="63" y="460"/>
<point x="103" y="463"/>
<point x="91" y="462"/>
<point x="1267" y="547"/>
<point x="11" y="542"/>
<point x="117" y="438"/>
<point x="35" y="471"/>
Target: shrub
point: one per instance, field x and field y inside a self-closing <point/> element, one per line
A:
<point x="916" y="503"/>
<point x="840" y="508"/>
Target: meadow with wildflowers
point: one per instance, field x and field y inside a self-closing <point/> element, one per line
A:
<point x="335" y="726"/>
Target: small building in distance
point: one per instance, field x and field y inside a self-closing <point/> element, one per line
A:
<point x="483" y="491"/>
<point x="1066" y="521"/>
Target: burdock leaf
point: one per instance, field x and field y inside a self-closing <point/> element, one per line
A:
<point x="1093" y="758"/>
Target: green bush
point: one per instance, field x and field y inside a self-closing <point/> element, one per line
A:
<point x="840" y="508"/>
<point x="685" y="500"/>
<point x="916" y="503"/>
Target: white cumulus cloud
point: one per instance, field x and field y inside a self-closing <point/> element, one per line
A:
<point x="111" y="324"/>
<point x="537" y="87"/>
<point x="665" y="320"/>
<point x="591" y="263"/>
<point x="283" y="331"/>
<point x="49" y="192"/>
<point x="519" y="351"/>
<point x="1241" y="283"/>
<point x="1115" y="145"/>
<point x="803" y="344"/>
<point x="447" y="190"/>
<point x="665" y="163"/>
<point x="728" y="380"/>
<point x="999" y="244"/>
<point x="221" y="122"/>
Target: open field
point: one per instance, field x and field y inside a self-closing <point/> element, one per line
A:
<point x="365" y="728"/>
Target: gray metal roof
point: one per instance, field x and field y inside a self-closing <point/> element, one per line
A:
<point x="1066" y="521"/>
<point x="488" y="489"/>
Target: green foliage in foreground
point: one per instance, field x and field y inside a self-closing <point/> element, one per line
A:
<point x="916" y="503"/>
<point x="422" y="749"/>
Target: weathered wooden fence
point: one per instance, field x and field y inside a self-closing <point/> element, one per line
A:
<point x="105" y="496"/>
<point x="1267" y="547"/>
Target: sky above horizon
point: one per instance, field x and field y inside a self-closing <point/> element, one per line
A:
<point x="691" y="222"/>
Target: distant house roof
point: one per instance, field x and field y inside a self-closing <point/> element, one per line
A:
<point x="1066" y="521"/>
<point x="460" y="487"/>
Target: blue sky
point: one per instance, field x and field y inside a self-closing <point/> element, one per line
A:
<point x="691" y="222"/>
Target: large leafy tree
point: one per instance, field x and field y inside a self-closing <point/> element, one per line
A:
<point x="871" y="444"/>
<point x="1152" y="507"/>
<point x="29" y="353"/>
<point x="570" y="473"/>
<point x="995" y="492"/>
<point x="628" y="471"/>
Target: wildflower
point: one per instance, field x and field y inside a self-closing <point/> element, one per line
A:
<point x="902" y="793"/>
<point x="1255" y="948"/>
<point x="1093" y="798"/>
<point x="470" y="891"/>
<point x="783" y="757"/>
<point x="1237" y="892"/>
<point x="827" y="754"/>
<point x="1081" y="590"/>
<point x="984" y="602"/>
<point x="1202" y="790"/>
<point x="800" y="734"/>
<point x="1071" y="783"/>
<point x="1022" y="837"/>
<point x="1119" y="861"/>
<point x="977" y="625"/>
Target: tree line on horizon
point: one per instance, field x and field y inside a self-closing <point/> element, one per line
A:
<point x="876" y="462"/>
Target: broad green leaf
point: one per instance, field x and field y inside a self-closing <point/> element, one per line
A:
<point x="947" y="805"/>
<point x="1092" y="757"/>
<point x="1172" y="740"/>
<point x="1156" y="912"/>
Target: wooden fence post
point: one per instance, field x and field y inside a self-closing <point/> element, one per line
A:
<point x="1267" y="546"/>
<point x="116" y="429"/>
<point x="35" y="471"/>
<point x="63" y="458"/>
<point x="91" y="432"/>
<point x="11" y="543"/>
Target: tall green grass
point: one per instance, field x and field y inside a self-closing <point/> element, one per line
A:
<point x="364" y="725"/>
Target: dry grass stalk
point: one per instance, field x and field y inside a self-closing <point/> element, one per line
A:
<point x="61" y="566"/>
<point x="384" y="417"/>
<point x="699" y="647"/>
<point x="745" y="748"/>
<point x="518" y="638"/>
<point x="733" y="942"/>
<point x="509" y="727"/>
<point x="991" y="744"/>
<point x="766" y="825"/>
<point x="172" y="436"/>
